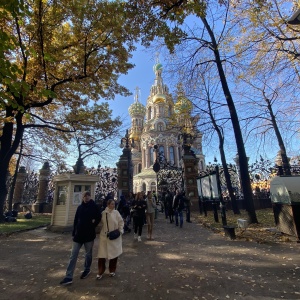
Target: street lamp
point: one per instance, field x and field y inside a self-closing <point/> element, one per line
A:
<point x="127" y="144"/>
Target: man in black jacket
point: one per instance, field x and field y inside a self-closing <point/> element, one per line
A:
<point x="86" y="219"/>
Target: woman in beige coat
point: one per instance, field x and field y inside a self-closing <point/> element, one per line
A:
<point x="109" y="249"/>
<point x="151" y="206"/>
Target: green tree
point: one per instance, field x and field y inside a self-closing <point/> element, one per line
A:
<point x="93" y="130"/>
<point x="269" y="63"/>
<point x="59" y="55"/>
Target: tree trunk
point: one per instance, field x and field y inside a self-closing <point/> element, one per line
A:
<point x="224" y="163"/>
<point x="8" y="146"/>
<point x="243" y="161"/>
<point x="234" y="204"/>
<point x="285" y="161"/>
<point x="14" y="180"/>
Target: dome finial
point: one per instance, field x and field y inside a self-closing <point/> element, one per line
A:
<point x="157" y="68"/>
<point x="137" y="108"/>
<point x="157" y="57"/>
<point x="137" y="94"/>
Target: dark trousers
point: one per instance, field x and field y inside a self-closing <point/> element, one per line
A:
<point x="188" y="214"/>
<point x="112" y="266"/>
<point x="166" y="210"/>
<point x="171" y="215"/>
<point x="138" y="224"/>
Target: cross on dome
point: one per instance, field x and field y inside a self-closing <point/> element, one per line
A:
<point x="137" y="94"/>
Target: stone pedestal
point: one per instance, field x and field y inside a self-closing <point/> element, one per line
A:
<point x="19" y="187"/>
<point x="190" y="173"/>
<point x="125" y="178"/>
<point x="38" y="207"/>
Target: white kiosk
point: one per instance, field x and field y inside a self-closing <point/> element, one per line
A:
<point x="285" y="197"/>
<point x="68" y="196"/>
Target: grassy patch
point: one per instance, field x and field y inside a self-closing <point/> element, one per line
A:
<point x="25" y="224"/>
<point x="265" y="218"/>
<point x="263" y="232"/>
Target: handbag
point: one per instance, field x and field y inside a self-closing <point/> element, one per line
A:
<point x="112" y="235"/>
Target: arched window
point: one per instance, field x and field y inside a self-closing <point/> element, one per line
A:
<point x="172" y="156"/>
<point x="151" y="155"/>
<point x="160" y="126"/>
<point x="153" y="187"/>
<point x="161" y="150"/>
<point x="170" y="111"/>
<point x="161" y="110"/>
<point x="149" y="113"/>
<point x="139" y="168"/>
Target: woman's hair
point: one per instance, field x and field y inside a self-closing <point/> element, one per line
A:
<point x="109" y="201"/>
<point x="139" y="196"/>
<point x="86" y="193"/>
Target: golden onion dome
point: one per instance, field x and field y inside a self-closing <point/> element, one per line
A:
<point x="135" y="136"/>
<point x="159" y="98"/>
<point x="183" y="105"/>
<point x="136" y="108"/>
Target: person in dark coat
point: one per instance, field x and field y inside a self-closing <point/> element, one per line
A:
<point x="169" y="201"/>
<point x="124" y="210"/>
<point x="178" y="206"/>
<point x="86" y="219"/>
<point x="139" y="206"/>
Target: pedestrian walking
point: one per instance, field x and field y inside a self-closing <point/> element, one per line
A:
<point x="110" y="195"/>
<point x="165" y="204"/>
<point x="109" y="249"/>
<point x="187" y="203"/>
<point x="169" y="200"/>
<point x="124" y="211"/>
<point x="138" y="206"/>
<point x="151" y="207"/>
<point x="87" y="217"/>
<point x="178" y="206"/>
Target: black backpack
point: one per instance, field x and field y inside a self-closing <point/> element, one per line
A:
<point x="181" y="203"/>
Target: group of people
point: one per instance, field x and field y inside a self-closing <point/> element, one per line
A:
<point x="174" y="206"/>
<point x="139" y="207"/>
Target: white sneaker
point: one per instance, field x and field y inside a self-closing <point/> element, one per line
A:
<point x="139" y="239"/>
<point x="134" y="236"/>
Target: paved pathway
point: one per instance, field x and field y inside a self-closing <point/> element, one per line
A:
<point x="188" y="263"/>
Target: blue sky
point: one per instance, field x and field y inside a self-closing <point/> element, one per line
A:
<point x="141" y="76"/>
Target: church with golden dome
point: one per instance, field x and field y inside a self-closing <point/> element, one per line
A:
<point x="160" y="123"/>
